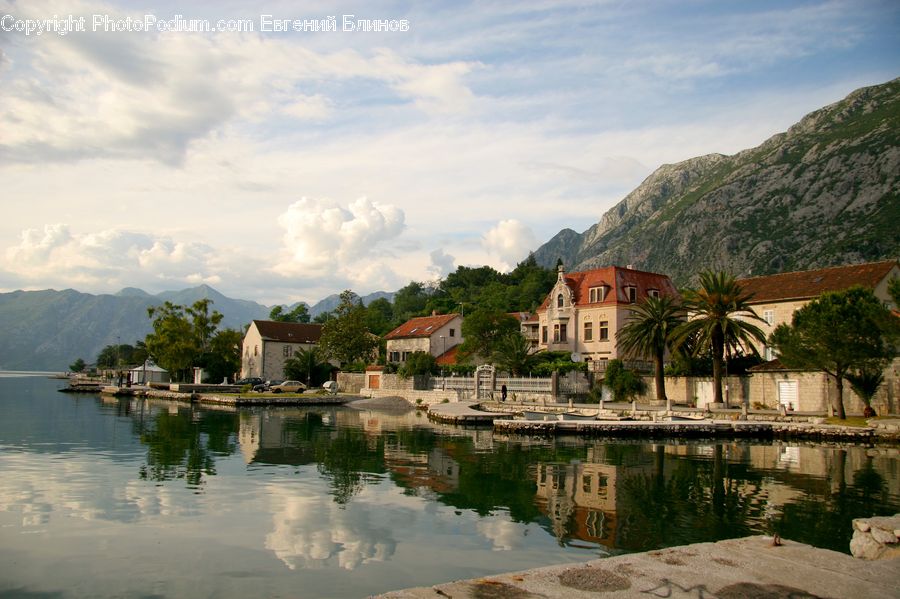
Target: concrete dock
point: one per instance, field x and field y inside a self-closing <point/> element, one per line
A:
<point x="751" y="567"/>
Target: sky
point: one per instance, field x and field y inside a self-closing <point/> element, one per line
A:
<point x="284" y="166"/>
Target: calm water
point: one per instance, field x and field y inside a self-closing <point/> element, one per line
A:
<point x="125" y="498"/>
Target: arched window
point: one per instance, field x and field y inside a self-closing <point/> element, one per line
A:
<point x="559" y="300"/>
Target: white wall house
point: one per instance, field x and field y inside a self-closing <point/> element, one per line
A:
<point x="436" y="335"/>
<point x="269" y="344"/>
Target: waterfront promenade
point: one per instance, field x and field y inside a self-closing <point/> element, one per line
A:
<point x="747" y="568"/>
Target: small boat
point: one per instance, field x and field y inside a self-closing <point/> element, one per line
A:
<point x="535" y="415"/>
<point x="684" y="418"/>
<point x="577" y="416"/>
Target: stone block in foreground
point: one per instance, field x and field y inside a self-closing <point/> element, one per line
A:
<point x="736" y="568"/>
<point x="876" y="538"/>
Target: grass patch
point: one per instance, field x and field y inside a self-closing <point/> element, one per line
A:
<point x="856" y="421"/>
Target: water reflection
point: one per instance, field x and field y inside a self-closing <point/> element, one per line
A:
<point x="616" y="495"/>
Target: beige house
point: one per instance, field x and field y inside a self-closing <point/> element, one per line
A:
<point x="436" y="334"/>
<point x="775" y="298"/>
<point x="585" y="310"/>
<point x="269" y="344"/>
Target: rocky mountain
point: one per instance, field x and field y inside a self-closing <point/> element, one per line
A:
<point x="334" y="300"/>
<point x="49" y="329"/>
<point x="825" y="192"/>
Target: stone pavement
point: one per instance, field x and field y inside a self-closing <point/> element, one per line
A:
<point x="751" y="567"/>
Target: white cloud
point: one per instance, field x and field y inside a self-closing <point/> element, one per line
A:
<point x="321" y="236"/>
<point x="110" y="258"/>
<point x="510" y="241"/>
<point x="314" y="532"/>
<point x="442" y="264"/>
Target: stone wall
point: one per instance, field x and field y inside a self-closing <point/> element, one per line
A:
<point x="350" y="382"/>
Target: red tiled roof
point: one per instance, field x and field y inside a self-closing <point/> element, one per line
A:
<point x="812" y="283"/>
<point x="617" y="279"/>
<point x="288" y="332"/>
<point x="448" y="358"/>
<point x="423" y="326"/>
<point x="521" y="316"/>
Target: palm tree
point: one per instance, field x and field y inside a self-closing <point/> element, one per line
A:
<point x="719" y="321"/>
<point x="649" y="333"/>
<point x="513" y="353"/>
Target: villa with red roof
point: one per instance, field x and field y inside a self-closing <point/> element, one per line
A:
<point x="775" y="298"/>
<point x="437" y="334"/>
<point x="585" y="310"/>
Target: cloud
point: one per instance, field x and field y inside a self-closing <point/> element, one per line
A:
<point x="314" y="532"/>
<point x="510" y="241"/>
<point x="322" y="237"/>
<point x="110" y="258"/>
<point x="442" y="264"/>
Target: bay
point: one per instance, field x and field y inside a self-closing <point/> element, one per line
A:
<point x="105" y="497"/>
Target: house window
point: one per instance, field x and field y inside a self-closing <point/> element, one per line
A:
<point x="559" y="300"/>
<point x="632" y="294"/>
<point x="769" y="354"/>
<point x="543" y="334"/>
<point x="652" y="293"/>
<point x="604" y="330"/>
<point x="588" y="331"/>
<point x="559" y="333"/>
<point x="453" y="332"/>
<point x="287" y="351"/>
<point x="255" y="350"/>
<point x="395" y="356"/>
<point x="598" y="294"/>
<point x="769" y="317"/>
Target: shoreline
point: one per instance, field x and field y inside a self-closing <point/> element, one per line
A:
<point x="744" y="567"/>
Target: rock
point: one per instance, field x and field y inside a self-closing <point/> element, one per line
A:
<point x="886" y="537"/>
<point x="861" y="524"/>
<point x="863" y="546"/>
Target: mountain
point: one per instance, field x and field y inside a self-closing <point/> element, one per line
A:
<point x="825" y="192"/>
<point x="48" y="330"/>
<point x="333" y="301"/>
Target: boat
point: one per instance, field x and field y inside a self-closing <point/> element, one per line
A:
<point x="577" y="416"/>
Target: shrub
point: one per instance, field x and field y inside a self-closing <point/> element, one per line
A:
<point x="625" y="384"/>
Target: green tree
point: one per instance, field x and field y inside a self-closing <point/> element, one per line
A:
<point x="894" y="291"/>
<point x="299" y="313"/>
<point x="865" y="384"/>
<point x="624" y="384"/>
<point x="380" y="316"/>
<point x="305" y="365"/>
<point x="323" y="317"/>
<point x="649" y="332"/>
<point x="171" y="344"/>
<point x="410" y="302"/>
<point x="513" y="353"/>
<point x="224" y="356"/>
<point x="345" y="336"/>
<point x="483" y="330"/>
<point x="113" y="356"/>
<point x="77" y="366"/>
<point x="418" y="363"/>
<point x="181" y="336"/>
<point x="839" y="333"/>
<point x="720" y="322"/>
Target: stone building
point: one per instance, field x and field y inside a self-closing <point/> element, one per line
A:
<point x="436" y="334"/>
<point x="269" y="344"/>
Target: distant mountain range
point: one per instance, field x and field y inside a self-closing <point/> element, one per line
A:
<point x="49" y="329"/>
<point x="826" y="192"/>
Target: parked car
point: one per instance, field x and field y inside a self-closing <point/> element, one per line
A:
<point x="262" y="387"/>
<point x="252" y="381"/>
<point x="288" y="387"/>
<point x="330" y="386"/>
